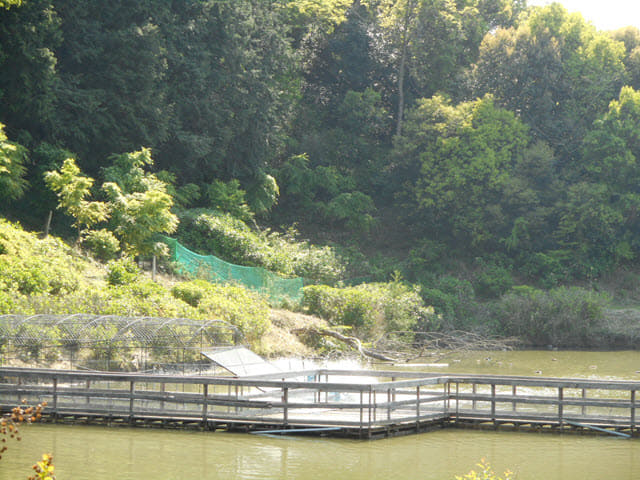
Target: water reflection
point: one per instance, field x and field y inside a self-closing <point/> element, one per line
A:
<point x="107" y="453"/>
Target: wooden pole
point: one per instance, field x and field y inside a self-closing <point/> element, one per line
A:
<point x="633" y="411"/>
<point x="55" y="398"/>
<point x="205" y="394"/>
<point x="132" y="389"/>
<point x="285" y="400"/>
<point x="418" y="408"/>
<point x="560" y="405"/>
<point x="493" y="402"/>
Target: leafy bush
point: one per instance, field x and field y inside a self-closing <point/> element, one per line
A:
<point x="122" y="271"/>
<point x="561" y="317"/>
<point x="368" y="308"/>
<point x="453" y="300"/>
<point x="102" y="244"/>
<point x="233" y="240"/>
<point x="29" y="265"/>
<point x="191" y="292"/>
<point x="492" y="281"/>
<point x="238" y="306"/>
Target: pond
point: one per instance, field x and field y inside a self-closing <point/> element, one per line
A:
<point x="102" y="453"/>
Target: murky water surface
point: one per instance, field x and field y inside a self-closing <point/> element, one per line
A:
<point x="100" y="453"/>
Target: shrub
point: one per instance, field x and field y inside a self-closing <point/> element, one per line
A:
<point x="492" y="281"/>
<point x="561" y="317"/>
<point x="102" y="244"/>
<point x="32" y="266"/>
<point x="368" y="308"/>
<point x="238" y="306"/>
<point x="453" y="300"/>
<point x="191" y="292"/>
<point x="122" y="271"/>
<point x="234" y="241"/>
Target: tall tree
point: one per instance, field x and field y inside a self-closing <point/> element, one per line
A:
<point x="112" y="66"/>
<point x="555" y="70"/>
<point x="12" y="168"/>
<point x="435" y="40"/>
<point x="232" y="81"/>
<point x="462" y="160"/>
<point x="29" y="36"/>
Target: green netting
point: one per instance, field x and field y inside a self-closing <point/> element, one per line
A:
<point x="212" y="268"/>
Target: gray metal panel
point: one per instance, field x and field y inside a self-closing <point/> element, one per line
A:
<point x="239" y="361"/>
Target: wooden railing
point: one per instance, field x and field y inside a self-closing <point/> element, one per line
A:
<point x="362" y="401"/>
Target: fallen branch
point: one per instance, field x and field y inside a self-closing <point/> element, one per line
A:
<point x="353" y="342"/>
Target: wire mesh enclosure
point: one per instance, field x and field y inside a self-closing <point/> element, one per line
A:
<point x="110" y="342"/>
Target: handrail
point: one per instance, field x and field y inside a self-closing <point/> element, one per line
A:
<point x="380" y="399"/>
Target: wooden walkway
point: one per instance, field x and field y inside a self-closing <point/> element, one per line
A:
<point x="355" y="403"/>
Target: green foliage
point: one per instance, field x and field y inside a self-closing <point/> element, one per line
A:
<point x="229" y="198"/>
<point x="30" y="266"/>
<point x="485" y="473"/>
<point x="139" y="203"/>
<point x="459" y="159"/>
<point x="493" y="280"/>
<point x="12" y="168"/>
<point x="556" y="70"/>
<point x="234" y="241"/>
<point x="101" y="244"/>
<point x="561" y="317"/>
<point x="73" y="188"/>
<point x="453" y="300"/>
<point x="123" y="271"/>
<point x="369" y="309"/>
<point x="238" y="306"/>
<point x="191" y="292"/>
<point x="9" y="3"/>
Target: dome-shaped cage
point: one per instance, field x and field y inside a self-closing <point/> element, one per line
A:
<point x="110" y="342"/>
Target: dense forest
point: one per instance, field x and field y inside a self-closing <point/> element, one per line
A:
<point x="482" y="153"/>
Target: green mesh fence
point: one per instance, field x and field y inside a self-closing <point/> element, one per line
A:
<point x="211" y="268"/>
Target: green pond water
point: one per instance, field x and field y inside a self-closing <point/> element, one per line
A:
<point x="100" y="453"/>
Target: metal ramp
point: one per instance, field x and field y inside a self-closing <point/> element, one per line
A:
<point x="239" y="361"/>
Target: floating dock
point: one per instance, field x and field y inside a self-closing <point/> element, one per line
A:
<point x="364" y="404"/>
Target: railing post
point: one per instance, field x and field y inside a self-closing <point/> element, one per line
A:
<point x="584" y="407"/>
<point x="205" y="394"/>
<point x="132" y="389"/>
<point x="474" y="390"/>
<point x="560" y="405"/>
<point x="88" y="388"/>
<point x="55" y="398"/>
<point x="493" y="403"/>
<point x="633" y="411"/>
<point x="457" y="401"/>
<point x="361" y="411"/>
<point x="514" y="394"/>
<point x="388" y="404"/>
<point x="285" y="401"/>
<point x="445" y="395"/>
<point x="418" y="408"/>
<point x="371" y="397"/>
<point x="372" y="405"/>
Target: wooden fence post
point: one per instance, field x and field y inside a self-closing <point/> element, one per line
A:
<point x="560" y="405"/>
<point x="55" y="398"/>
<point x="493" y="403"/>
<point x="132" y="390"/>
<point x="205" y="394"/>
<point x="285" y="400"/>
<point x="633" y="411"/>
<point x="418" y="408"/>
